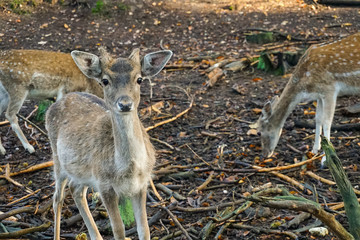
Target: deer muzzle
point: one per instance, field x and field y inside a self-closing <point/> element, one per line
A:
<point x="125" y="104"/>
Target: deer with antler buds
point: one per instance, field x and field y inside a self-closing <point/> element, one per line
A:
<point x="102" y="143"/>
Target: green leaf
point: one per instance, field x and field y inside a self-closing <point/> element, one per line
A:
<point x="126" y="212"/>
<point x="43" y="106"/>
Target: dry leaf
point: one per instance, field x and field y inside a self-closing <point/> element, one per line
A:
<point x="45" y="25"/>
<point x="214" y="75"/>
<point x="66" y="26"/>
<point x="252" y="132"/>
<point x="155" y="107"/>
<point x="257" y="110"/>
<point x="307" y="112"/>
<point x="257" y="79"/>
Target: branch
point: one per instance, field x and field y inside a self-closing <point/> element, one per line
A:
<point x="22" y="232"/>
<point x="304" y="205"/>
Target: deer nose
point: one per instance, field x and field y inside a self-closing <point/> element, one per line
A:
<point x="125" y="104"/>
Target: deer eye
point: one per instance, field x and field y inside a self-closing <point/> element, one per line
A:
<point x="139" y="80"/>
<point x="105" y="81"/>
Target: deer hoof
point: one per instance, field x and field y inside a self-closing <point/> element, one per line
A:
<point x="2" y="150"/>
<point x="30" y="149"/>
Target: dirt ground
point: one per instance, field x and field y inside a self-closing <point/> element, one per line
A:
<point x="217" y="125"/>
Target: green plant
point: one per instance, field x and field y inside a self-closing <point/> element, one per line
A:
<point x="43" y="106"/>
<point x="99" y="7"/>
<point x="126" y="212"/>
<point x="123" y="7"/>
<point x="21" y="6"/>
<point x="14" y="4"/>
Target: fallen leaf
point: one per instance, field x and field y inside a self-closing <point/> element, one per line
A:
<point x="257" y="110"/>
<point x="257" y="79"/>
<point x="307" y="112"/>
<point x="213" y="76"/>
<point x="45" y="25"/>
<point x="182" y="134"/>
<point x="66" y="26"/>
<point x="253" y="125"/>
<point x="252" y="131"/>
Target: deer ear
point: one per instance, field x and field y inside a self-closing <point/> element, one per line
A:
<point x="154" y="62"/>
<point x="89" y="64"/>
<point x="275" y="100"/>
<point x="135" y="55"/>
<point x="267" y="110"/>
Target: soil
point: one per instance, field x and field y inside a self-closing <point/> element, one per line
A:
<point x="216" y="127"/>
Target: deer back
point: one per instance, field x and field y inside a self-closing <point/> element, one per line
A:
<point x="327" y="63"/>
<point x="43" y="73"/>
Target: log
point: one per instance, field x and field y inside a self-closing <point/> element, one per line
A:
<point x="351" y="204"/>
<point x="340" y="2"/>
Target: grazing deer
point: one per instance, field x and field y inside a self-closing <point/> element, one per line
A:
<point x="37" y="74"/>
<point x="324" y="72"/>
<point x="102" y="143"/>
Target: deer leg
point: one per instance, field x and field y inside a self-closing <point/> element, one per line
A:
<point x="329" y="110"/>
<point x="319" y="118"/>
<point x="111" y="202"/>
<point x="58" y="202"/>
<point x="139" y="206"/>
<point x="4" y="103"/>
<point x="15" y="103"/>
<point x="79" y="195"/>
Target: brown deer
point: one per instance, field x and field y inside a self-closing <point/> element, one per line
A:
<point x="102" y="143"/>
<point x="325" y="72"/>
<point x="37" y="74"/>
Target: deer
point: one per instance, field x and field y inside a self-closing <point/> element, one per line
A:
<point x="101" y="143"/>
<point x="325" y="72"/>
<point x="37" y="74"/>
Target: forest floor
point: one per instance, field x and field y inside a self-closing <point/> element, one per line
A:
<point x="214" y="140"/>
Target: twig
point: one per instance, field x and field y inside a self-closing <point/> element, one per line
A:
<point x="7" y="176"/>
<point x="22" y="198"/>
<point x="207" y="181"/>
<point x="162" y="142"/>
<point x="293" y="148"/>
<point x="173" y="118"/>
<point x="196" y="155"/>
<point x="212" y="208"/>
<point x="6" y="122"/>
<point x="257" y="230"/>
<point x="176" y="221"/>
<point x="34" y="168"/>
<point x="155" y="191"/>
<point x="321" y="179"/>
<point x="290" y="166"/>
<point x="234" y="213"/>
<point x="169" y="192"/>
<point x="17" y="211"/>
<point x="203" y="185"/>
<point x="340" y="205"/>
<point x="22" y="232"/>
<point x="33" y="124"/>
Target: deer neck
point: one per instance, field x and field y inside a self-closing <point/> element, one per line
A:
<point x="128" y="138"/>
<point x="285" y="105"/>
